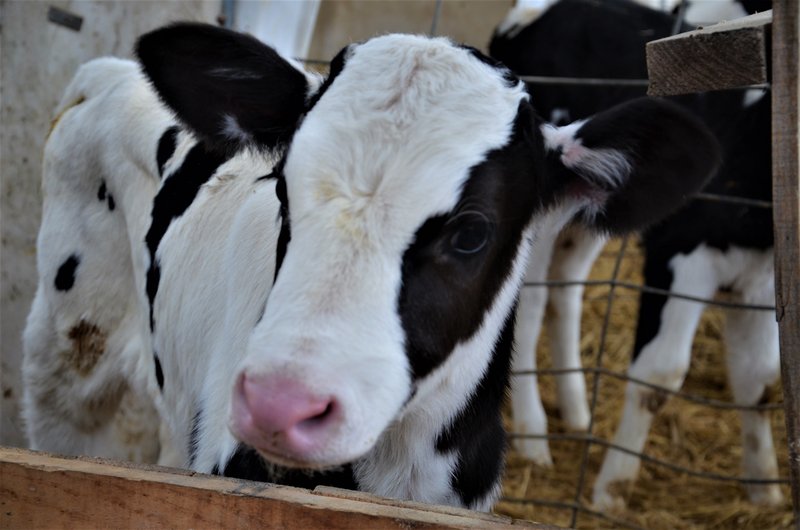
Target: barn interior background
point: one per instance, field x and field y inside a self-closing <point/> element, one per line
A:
<point x="695" y="439"/>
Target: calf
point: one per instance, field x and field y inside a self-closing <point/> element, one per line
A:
<point x="315" y="279"/>
<point x="714" y="245"/>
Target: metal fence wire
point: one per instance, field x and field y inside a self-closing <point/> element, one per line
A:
<point x="577" y="506"/>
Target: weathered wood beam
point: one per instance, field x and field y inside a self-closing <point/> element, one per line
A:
<point x="38" y="490"/>
<point x="786" y="218"/>
<point x="725" y="55"/>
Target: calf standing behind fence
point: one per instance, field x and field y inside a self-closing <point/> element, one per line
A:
<point x="704" y="247"/>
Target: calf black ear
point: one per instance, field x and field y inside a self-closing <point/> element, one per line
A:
<point x="229" y="88"/>
<point x="633" y="164"/>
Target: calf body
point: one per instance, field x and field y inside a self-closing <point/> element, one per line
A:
<point x="320" y="274"/>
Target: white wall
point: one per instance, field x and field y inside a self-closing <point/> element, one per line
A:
<point x="37" y="59"/>
<point x="286" y="26"/>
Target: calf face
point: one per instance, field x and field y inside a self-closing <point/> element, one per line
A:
<point x="414" y="182"/>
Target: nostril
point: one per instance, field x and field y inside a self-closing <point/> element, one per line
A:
<point x="318" y="420"/>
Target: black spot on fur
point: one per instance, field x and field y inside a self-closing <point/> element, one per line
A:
<point x="247" y="464"/>
<point x="194" y="436"/>
<point x="65" y="277"/>
<point x="159" y="372"/>
<point x="477" y="434"/>
<point x="174" y="197"/>
<point x="166" y="148"/>
<point x="285" y="234"/>
<point x="337" y="65"/>
<point x="104" y="196"/>
<point x="152" y="280"/>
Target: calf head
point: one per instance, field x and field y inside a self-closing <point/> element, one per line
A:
<point x="415" y="180"/>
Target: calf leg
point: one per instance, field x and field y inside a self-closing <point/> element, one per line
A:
<point x="574" y="254"/>
<point x="526" y="405"/>
<point x="754" y="363"/>
<point x="664" y="361"/>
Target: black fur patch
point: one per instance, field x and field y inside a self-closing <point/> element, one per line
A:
<point x="337" y="65"/>
<point x="166" y="147"/>
<point x="159" y="372"/>
<point x="173" y="199"/>
<point x="247" y="464"/>
<point x="194" y="435"/>
<point x="444" y="295"/>
<point x="477" y="433"/>
<point x="210" y="76"/>
<point x="65" y="277"/>
<point x="285" y="234"/>
<point x="104" y="196"/>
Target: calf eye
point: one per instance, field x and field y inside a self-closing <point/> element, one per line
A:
<point x="472" y="232"/>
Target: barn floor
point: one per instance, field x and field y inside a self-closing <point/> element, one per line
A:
<point x="684" y="433"/>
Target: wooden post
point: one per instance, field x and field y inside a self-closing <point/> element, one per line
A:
<point x="44" y="491"/>
<point x="786" y="215"/>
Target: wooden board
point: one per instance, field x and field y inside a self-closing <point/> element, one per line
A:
<point x="725" y="55"/>
<point x="786" y="217"/>
<point x="44" y="491"/>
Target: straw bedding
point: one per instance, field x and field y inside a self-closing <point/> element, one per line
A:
<point x="684" y="433"/>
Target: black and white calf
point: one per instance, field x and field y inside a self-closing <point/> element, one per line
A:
<point x="700" y="249"/>
<point x="315" y="279"/>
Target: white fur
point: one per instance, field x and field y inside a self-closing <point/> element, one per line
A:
<point x="232" y="130"/>
<point x="517" y="19"/>
<point x="610" y="167"/>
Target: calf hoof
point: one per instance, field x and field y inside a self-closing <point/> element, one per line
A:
<point x="611" y="497"/>
<point x="765" y="495"/>
<point x="576" y="418"/>
<point x="536" y="451"/>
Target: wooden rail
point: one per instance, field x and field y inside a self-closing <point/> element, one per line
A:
<point x="726" y="55"/>
<point x="38" y="490"/>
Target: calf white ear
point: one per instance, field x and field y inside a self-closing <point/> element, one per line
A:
<point x="633" y="164"/>
<point x="229" y="88"/>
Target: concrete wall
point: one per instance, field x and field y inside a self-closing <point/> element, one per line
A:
<point x="36" y="62"/>
<point x="37" y="59"/>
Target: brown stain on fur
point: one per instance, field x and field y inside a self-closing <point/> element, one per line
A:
<point x="652" y="401"/>
<point x="88" y="345"/>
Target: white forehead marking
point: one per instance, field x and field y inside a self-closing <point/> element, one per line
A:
<point x="392" y="140"/>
